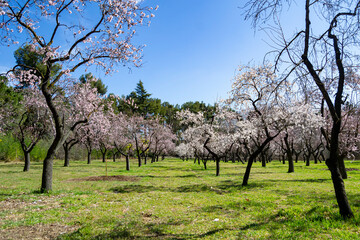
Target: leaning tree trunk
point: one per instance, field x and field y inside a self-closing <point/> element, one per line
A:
<point x="335" y="111"/>
<point x="252" y="158"/>
<point x="46" y="180"/>
<point x="204" y="162"/>
<point x="333" y="164"/>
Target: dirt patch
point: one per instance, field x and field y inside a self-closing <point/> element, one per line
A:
<point x="38" y="231"/>
<point x="107" y="178"/>
<point x="18" y="204"/>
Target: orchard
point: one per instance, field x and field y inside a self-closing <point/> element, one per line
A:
<point x="294" y="117"/>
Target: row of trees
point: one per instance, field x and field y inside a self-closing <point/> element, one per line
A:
<point x="266" y="125"/>
<point x="103" y="41"/>
<point x="321" y="64"/>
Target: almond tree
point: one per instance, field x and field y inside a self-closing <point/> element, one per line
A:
<point x="194" y="136"/>
<point x="123" y="138"/>
<point x="322" y="52"/>
<point x="34" y="123"/>
<point x="221" y="135"/>
<point x="163" y="141"/>
<point x="104" y="40"/>
<point x="82" y="101"/>
<point x="257" y="94"/>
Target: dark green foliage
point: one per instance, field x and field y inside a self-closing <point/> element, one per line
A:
<point x="9" y="102"/>
<point x="95" y="83"/>
<point x="139" y="102"/>
<point x="196" y="107"/>
<point x="142" y="100"/>
<point x="8" y="95"/>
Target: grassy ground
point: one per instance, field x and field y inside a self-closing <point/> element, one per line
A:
<point x="173" y="199"/>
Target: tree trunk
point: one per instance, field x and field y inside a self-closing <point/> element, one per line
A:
<point x="66" y="152"/>
<point x="46" y="180"/>
<point x="339" y="188"/>
<point x="27" y="161"/>
<point x="127" y="162"/>
<point x="103" y="156"/>
<point x="204" y="162"/>
<point x="342" y="167"/>
<point x="248" y="168"/>
<point x="114" y="157"/>
<point x="263" y="161"/>
<point x="335" y="110"/>
<point x="289" y="154"/>
<point x="217" y="167"/>
<point x="89" y="157"/>
<point x="253" y="156"/>
<point x="139" y="159"/>
<point x="291" y="165"/>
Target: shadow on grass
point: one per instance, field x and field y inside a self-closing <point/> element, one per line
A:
<point x="178" y="176"/>
<point x="321" y="180"/>
<point x="136" y="231"/>
<point x="5" y="194"/>
<point x="153" y="176"/>
<point x="136" y="188"/>
<point x="223" y="187"/>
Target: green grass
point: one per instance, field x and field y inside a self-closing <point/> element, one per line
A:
<point x="173" y="199"/>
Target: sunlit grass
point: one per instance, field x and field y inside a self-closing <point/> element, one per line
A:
<point x="173" y="199"/>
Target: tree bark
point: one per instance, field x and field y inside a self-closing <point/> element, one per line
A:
<point x="342" y="167"/>
<point x="46" y="180"/>
<point x="27" y="161"/>
<point x="127" y="162"/>
<point x="253" y="157"/>
<point x="89" y="157"/>
<point x="263" y="161"/>
<point x="66" y="152"/>
<point x="289" y="154"/>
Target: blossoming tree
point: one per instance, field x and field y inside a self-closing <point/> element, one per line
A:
<point x="72" y="41"/>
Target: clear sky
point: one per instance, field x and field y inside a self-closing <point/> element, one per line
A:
<point x="193" y="49"/>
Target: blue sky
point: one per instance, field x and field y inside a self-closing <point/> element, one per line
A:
<point x="193" y="49"/>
